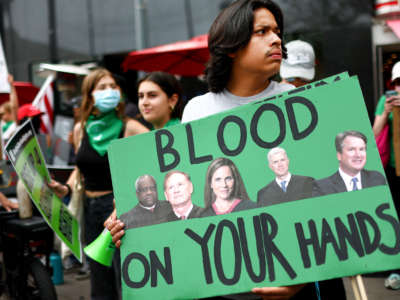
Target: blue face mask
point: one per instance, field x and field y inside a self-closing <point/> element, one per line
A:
<point x="106" y="100"/>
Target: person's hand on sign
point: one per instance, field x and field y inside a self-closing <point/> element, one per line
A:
<point x="115" y="227"/>
<point x="61" y="190"/>
<point x="278" y="293"/>
<point x="6" y="203"/>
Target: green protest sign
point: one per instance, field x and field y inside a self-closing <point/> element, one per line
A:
<point x="25" y="154"/>
<point x="271" y="233"/>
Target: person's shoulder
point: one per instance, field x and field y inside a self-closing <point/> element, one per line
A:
<point x="197" y="211"/>
<point x="276" y="87"/>
<point x="207" y="212"/>
<point x="197" y="107"/>
<point x="303" y="178"/>
<point x="327" y="181"/>
<point x="267" y="187"/>
<point x="130" y="212"/>
<point x="163" y="204"/>
<point x="245" y="204"/>
<point x="133" y="127"/>
<point x="375" y="175"/>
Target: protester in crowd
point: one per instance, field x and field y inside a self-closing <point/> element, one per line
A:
<point x="224" y="190"/>
<point x="8" y="113"/>
<point x="383" y="118"/>
<point x="246" y="50"/>
<point x="160" y="103"/>
<point x="160" y="99"/>
<point x="299" y="66"/>
<point x="285" y="186"/>
<point x="102" y="120"/>
<point x="245" y="44"/>
<point x="6" y="203"/>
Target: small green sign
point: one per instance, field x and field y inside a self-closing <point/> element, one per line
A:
<point x="24" y="153"/>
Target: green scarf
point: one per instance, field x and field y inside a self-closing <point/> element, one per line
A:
<point x="6" y="126"/>
<point x="102" y="129"/>
<point x="170" y="122"/>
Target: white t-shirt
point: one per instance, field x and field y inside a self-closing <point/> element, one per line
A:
<point x="213" y="103"/>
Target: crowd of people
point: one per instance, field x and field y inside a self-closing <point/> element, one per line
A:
<point x="246" y="52"/>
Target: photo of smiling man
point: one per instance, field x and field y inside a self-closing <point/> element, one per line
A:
<point x="351" y="150"/>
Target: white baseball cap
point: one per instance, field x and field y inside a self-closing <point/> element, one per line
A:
<point x="300" y="61"/>
<point x="396" y="71"/>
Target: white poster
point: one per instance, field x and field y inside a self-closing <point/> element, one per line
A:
<point x="4" y="85"/>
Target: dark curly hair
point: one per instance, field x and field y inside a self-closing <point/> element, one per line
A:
<point x="231" y="31"/>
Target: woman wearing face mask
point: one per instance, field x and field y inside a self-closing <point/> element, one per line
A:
<point x="101" y="122"/>
<point x="160" y="103"/>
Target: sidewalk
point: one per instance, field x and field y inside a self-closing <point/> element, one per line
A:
<point x="73" y="289"/>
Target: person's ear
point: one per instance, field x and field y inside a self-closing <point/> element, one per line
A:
<point x="165" y="195"/>
<point x="172" y="101"/>
<point x="339" y="156"/>
<point x="191" y="188"/>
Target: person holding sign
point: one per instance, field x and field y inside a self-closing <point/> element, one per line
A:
<point x="384" y="120"/>
<point x="160" y="103"/>
<point x="150" y="210"/>
<point x="351" y="148"/>
<point x="245" y="44"/>
<point x="224" y="191"/>
<point x="286" y="186"/>
<point x="102" y="120"/>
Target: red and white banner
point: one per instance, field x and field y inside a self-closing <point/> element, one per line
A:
<point x="44" y="101"/>
<point x="384" y="7"/>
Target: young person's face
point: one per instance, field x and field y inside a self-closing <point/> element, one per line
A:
<point x="107" y="82"/>
<point x="154" y="104"/>
<point x="263" y="54"/>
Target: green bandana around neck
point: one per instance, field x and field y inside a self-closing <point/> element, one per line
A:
<point x="170" y="122"/>
<point x="6" y="125"/>
<point x="103" y="129"/>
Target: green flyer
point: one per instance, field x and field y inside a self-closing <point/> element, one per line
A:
<point x="282" y="191"/>
<point x="25" y="154"/>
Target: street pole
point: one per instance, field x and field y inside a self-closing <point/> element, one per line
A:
<point x="140" y="26"/>
<point x="189" y="18"/>
<point x="53" y="49"/>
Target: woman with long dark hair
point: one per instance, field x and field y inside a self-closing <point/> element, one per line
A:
<point x="224" y="191"/>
